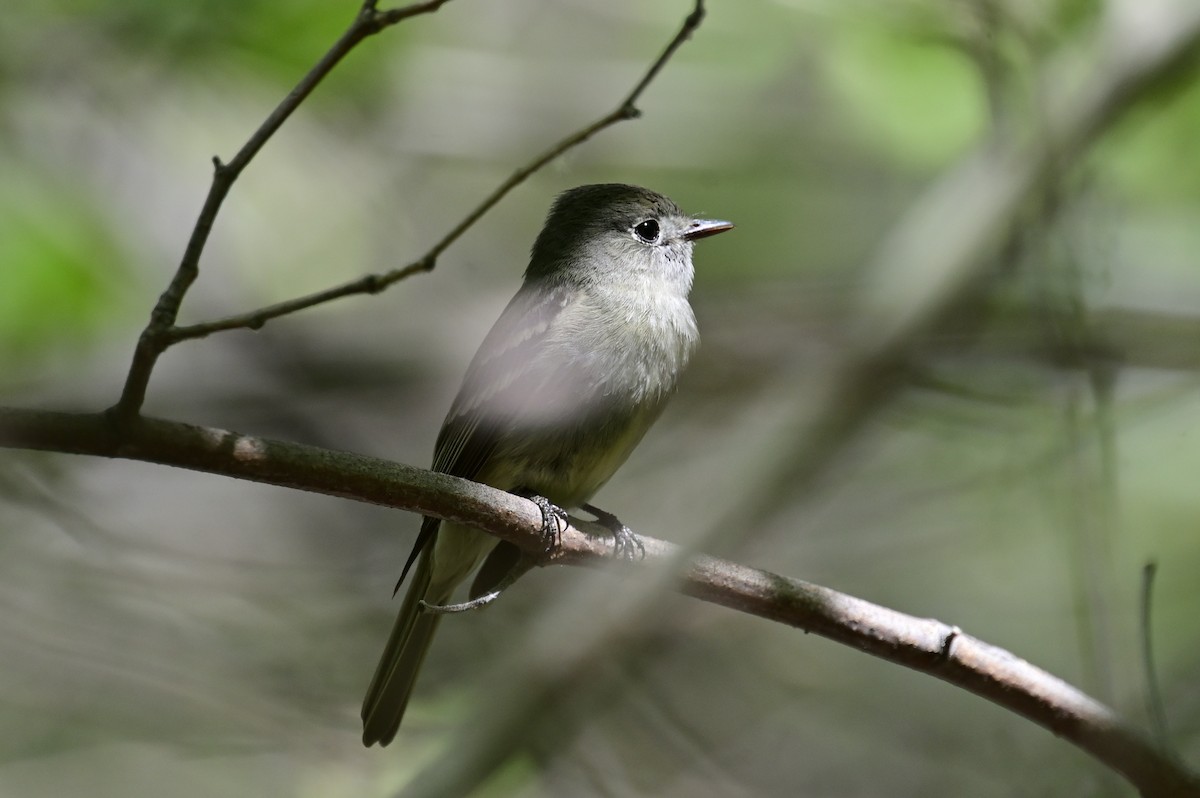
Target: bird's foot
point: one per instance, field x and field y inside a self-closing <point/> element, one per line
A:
<point x="463" y="606"/>
<point x="626" y="544"/>
<point x="554" y="518"/>
<point x="518" y="569"/>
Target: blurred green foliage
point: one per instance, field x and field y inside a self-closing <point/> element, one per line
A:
<point x="63" y="266"/>
<point x="916" y="101"/>
<point x="1153" y="156"/>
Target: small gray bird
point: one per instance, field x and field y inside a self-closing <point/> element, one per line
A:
<point x="564" y="386"/>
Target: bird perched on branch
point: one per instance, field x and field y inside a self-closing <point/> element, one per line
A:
<point x="564" y="386"/>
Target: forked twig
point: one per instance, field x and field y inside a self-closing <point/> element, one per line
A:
<point x="159" y="332"/>
<point x="374" y="283"/>
<point x="162" y="332"/>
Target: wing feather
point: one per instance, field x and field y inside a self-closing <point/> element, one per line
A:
<point x="480" y="414"/>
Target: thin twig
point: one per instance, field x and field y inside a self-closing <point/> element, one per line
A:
<point x="1154" y="702"/>
<point x="374" y="283"/>
<point x="158" y="334"/>
<point x="923" y="644"/>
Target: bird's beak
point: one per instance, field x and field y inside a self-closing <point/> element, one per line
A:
<point x="703" y="228"/>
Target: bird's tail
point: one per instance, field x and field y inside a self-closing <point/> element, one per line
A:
<point x="401" y="661"/>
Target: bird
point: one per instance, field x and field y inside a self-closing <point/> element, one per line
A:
<point x="570" y="377"/>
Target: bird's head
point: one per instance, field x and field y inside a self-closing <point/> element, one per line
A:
<point x="615" y="234"/>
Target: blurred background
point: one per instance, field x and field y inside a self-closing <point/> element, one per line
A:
<point x="1007" y="462"/>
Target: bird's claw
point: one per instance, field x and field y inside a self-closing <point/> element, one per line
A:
<point x="465" y="606"/>
<point x="627" y="545"/>
<point x="554" y="519"/>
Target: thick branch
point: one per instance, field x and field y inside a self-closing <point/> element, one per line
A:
<point x="158" y="334"/>
<point x="925" y="645"/>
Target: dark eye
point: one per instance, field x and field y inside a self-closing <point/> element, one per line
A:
<point x="647" y="231"/>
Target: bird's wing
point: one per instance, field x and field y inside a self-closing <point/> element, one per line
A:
<point x="497" y="380"/>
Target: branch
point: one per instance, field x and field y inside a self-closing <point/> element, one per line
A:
<point x="374" y="283"/>
<point x="159" y="332"/>
<point x="922" y="644"/>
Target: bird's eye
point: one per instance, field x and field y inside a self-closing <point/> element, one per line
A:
<point x="647" y="231"/>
